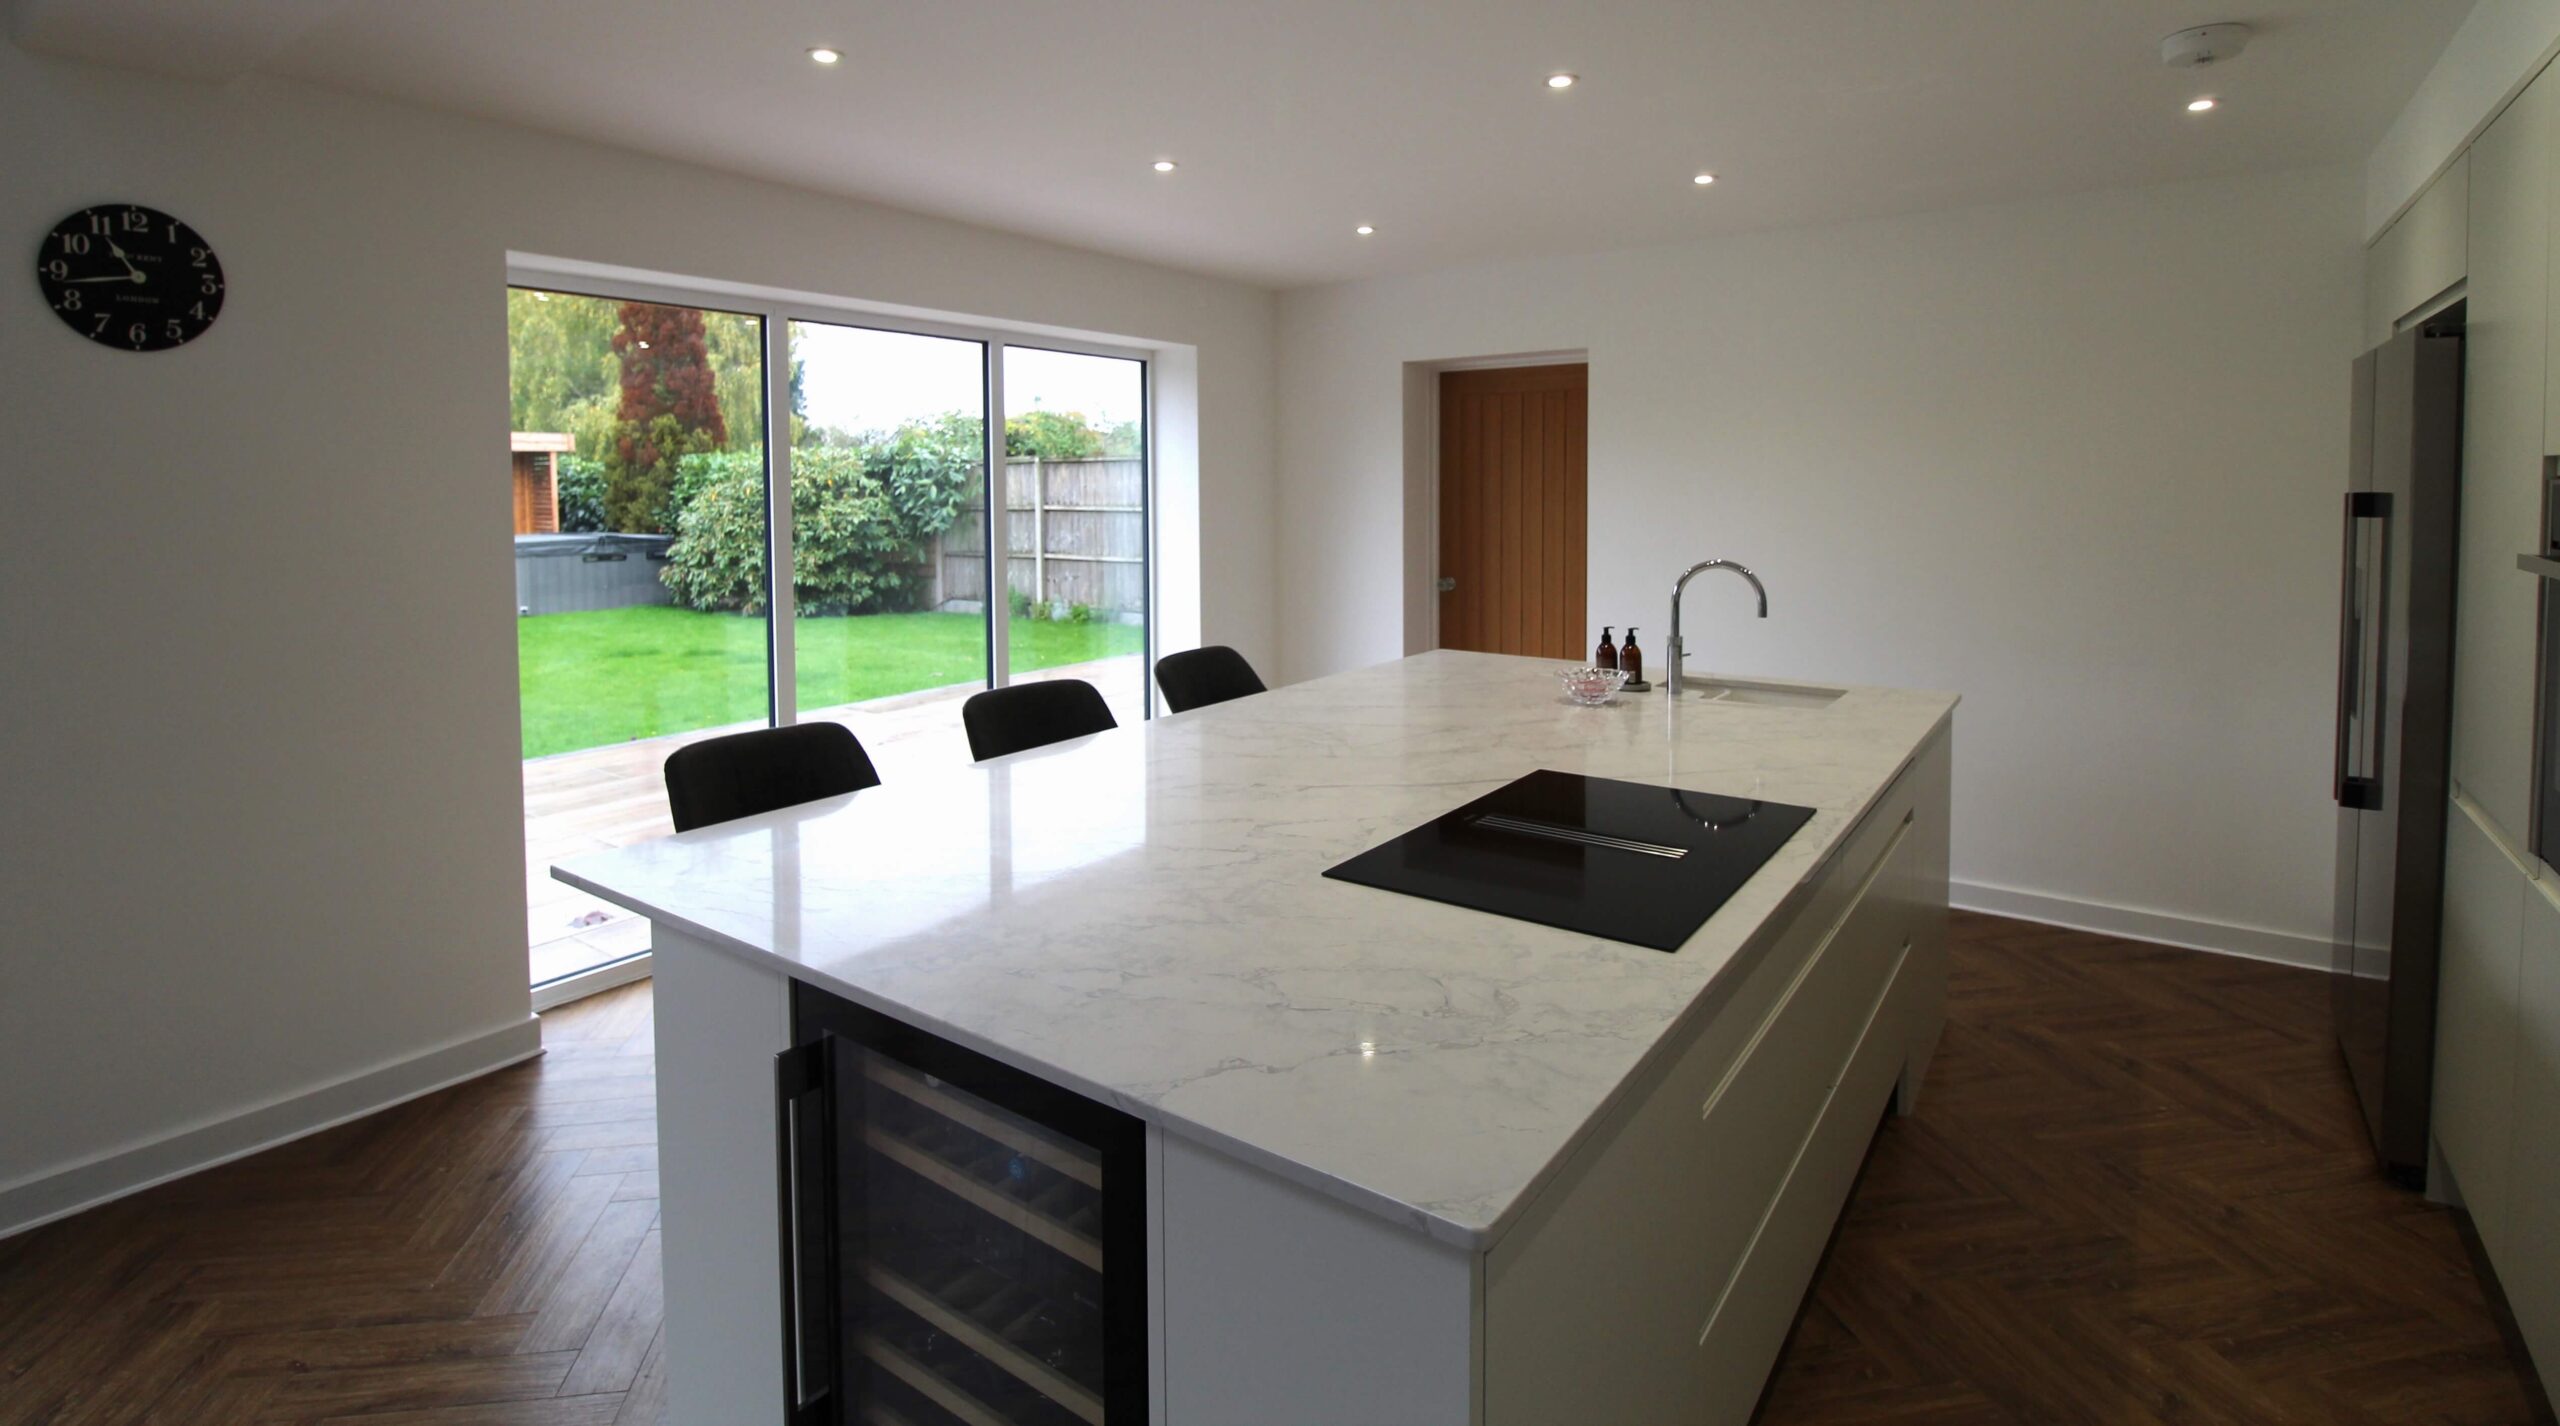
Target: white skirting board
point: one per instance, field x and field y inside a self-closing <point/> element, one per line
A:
<point x="2257" y="943"/>
<point x="42" y="1197"/>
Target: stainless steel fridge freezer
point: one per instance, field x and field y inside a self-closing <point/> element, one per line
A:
<point x="2394" y="727"/>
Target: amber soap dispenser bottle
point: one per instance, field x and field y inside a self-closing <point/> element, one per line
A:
<point x="1605" y="656"/>
<point x="1631" y="658"/>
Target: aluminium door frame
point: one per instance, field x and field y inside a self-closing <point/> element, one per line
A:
<point x="1148" y="563"/>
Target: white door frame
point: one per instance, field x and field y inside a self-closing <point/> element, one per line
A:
<point x="1422" y="474"/>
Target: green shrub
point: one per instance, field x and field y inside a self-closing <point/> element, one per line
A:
<point x="581" y="493"/>
<point x="717" y="560"/>
<point x="1052" y="435"/>
<point x="694" y="474"/>
<point x="640" y="474"/>
<point x="853" y="548"/>
<point x="1021" y="602"/>
<point x="1079" y="613"/>
<point x="861" y="517"/>
<point x="929" y="469"/>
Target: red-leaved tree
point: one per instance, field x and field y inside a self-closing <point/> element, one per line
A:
<point x="670" y="408"/>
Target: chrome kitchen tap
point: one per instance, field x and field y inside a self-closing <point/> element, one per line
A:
<point x="1678" y="648"/>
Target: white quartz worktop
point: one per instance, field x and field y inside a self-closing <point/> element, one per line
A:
<point x="1142" y="916"/>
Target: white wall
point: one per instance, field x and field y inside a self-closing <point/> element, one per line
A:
<point x="2076" y="459"/>
<point x="258" y="726"/>
<point x="2500" y="45"/>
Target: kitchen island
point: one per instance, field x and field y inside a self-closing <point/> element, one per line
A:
<point x="1403" y="1162"/>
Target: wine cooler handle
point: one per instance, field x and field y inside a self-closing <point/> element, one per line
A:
<point x="801" y="1130"/>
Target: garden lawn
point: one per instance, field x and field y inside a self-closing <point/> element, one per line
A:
<point x="613" y="675"/>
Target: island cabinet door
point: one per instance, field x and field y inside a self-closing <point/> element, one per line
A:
<point x="1654" y="1279"/>
<point x="963" y="1244"/>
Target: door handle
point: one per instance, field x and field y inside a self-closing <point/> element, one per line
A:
<point x="803" y="1158"/>
<point x="1446" y="583"/>
<point x="2348" y="787"/>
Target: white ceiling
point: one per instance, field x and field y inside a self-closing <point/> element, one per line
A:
<point x="1294" y="122"/>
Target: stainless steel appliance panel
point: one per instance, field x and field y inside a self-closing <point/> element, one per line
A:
<point x="2393" y="727"/>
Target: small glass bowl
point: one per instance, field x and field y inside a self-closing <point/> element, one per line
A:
<point x="1592" y="687"/>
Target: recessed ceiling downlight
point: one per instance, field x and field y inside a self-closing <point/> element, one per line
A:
<point x="1562" y="80"/>
<point x="1364" y="230"/>
<point x="1704" y="179"/>
<point x="824" y="55"/>
<point x="1164" y="165"/>
<point x="2200" y="106"/>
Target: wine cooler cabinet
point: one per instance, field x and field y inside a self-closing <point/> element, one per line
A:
<point x="963" y="1244"/>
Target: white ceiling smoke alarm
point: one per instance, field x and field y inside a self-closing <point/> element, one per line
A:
<point x="2203" y="45"/>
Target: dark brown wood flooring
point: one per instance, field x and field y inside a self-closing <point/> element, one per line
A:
<point x="2137" y="1193"/>
<point x="2134" y="1194"/>
<point x="487" y="1256"/>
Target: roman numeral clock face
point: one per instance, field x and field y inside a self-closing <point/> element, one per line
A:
<point x="130" y="277"/>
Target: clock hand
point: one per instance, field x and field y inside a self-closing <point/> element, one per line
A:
<point x="135" y="276"/>
<point x="128" y="262"/>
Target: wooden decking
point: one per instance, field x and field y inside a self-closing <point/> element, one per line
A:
<point x="2135" y="1194"/>
<point x="607" y="797"/>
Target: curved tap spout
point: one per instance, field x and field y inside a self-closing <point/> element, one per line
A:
<point x="1679" y="648"/>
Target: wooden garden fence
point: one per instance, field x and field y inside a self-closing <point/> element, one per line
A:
<point x="1075" y="533"/>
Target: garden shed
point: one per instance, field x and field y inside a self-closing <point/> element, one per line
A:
<point x="536" y="458"/>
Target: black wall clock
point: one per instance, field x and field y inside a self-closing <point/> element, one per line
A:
<point x="130" y="277"/>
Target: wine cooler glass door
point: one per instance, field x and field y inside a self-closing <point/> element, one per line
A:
<point x="987" y="1244"/>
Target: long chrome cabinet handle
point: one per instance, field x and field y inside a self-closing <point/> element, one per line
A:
<point x="802" y="1134"/>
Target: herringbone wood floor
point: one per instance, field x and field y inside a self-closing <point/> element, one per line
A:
<point x="2134" y="1195"/>
<point x="2137" y="1193"/>
<point x="487" y="1256"/>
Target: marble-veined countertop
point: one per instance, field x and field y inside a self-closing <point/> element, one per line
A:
<point x="1142" y="916"/>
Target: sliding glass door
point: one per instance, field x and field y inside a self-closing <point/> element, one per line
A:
<point x="667" y="460"/>
<point x="1075" y="495"/>
<point x="637" y="482"/>
<point x="888" y="477"/>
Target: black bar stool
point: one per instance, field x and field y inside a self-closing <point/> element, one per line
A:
<point x="741" y="774"/>
<point x="1200" y="677"/>
<point x="1033" y="715"/>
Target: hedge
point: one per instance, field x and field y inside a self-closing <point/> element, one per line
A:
<point x="581" y="494"/>
<point x="862" y="515"/>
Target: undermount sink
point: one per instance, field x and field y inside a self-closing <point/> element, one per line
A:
<point x="1772" y="695"/>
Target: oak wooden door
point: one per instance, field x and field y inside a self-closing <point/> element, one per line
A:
<point x="1513" y="519"/>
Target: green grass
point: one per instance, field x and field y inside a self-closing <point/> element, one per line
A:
<point x="618" y="674"/>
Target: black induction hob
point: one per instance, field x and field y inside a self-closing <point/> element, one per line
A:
<point x="1622" y="860"/>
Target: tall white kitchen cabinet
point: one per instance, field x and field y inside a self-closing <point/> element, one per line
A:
<point x="2496" y="1111"/>
<point x="2474" y="1113"/>
<point x="2532" y="1229"/>
<point x="2421" y="255"/>
<point x="2505" y="351"/>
